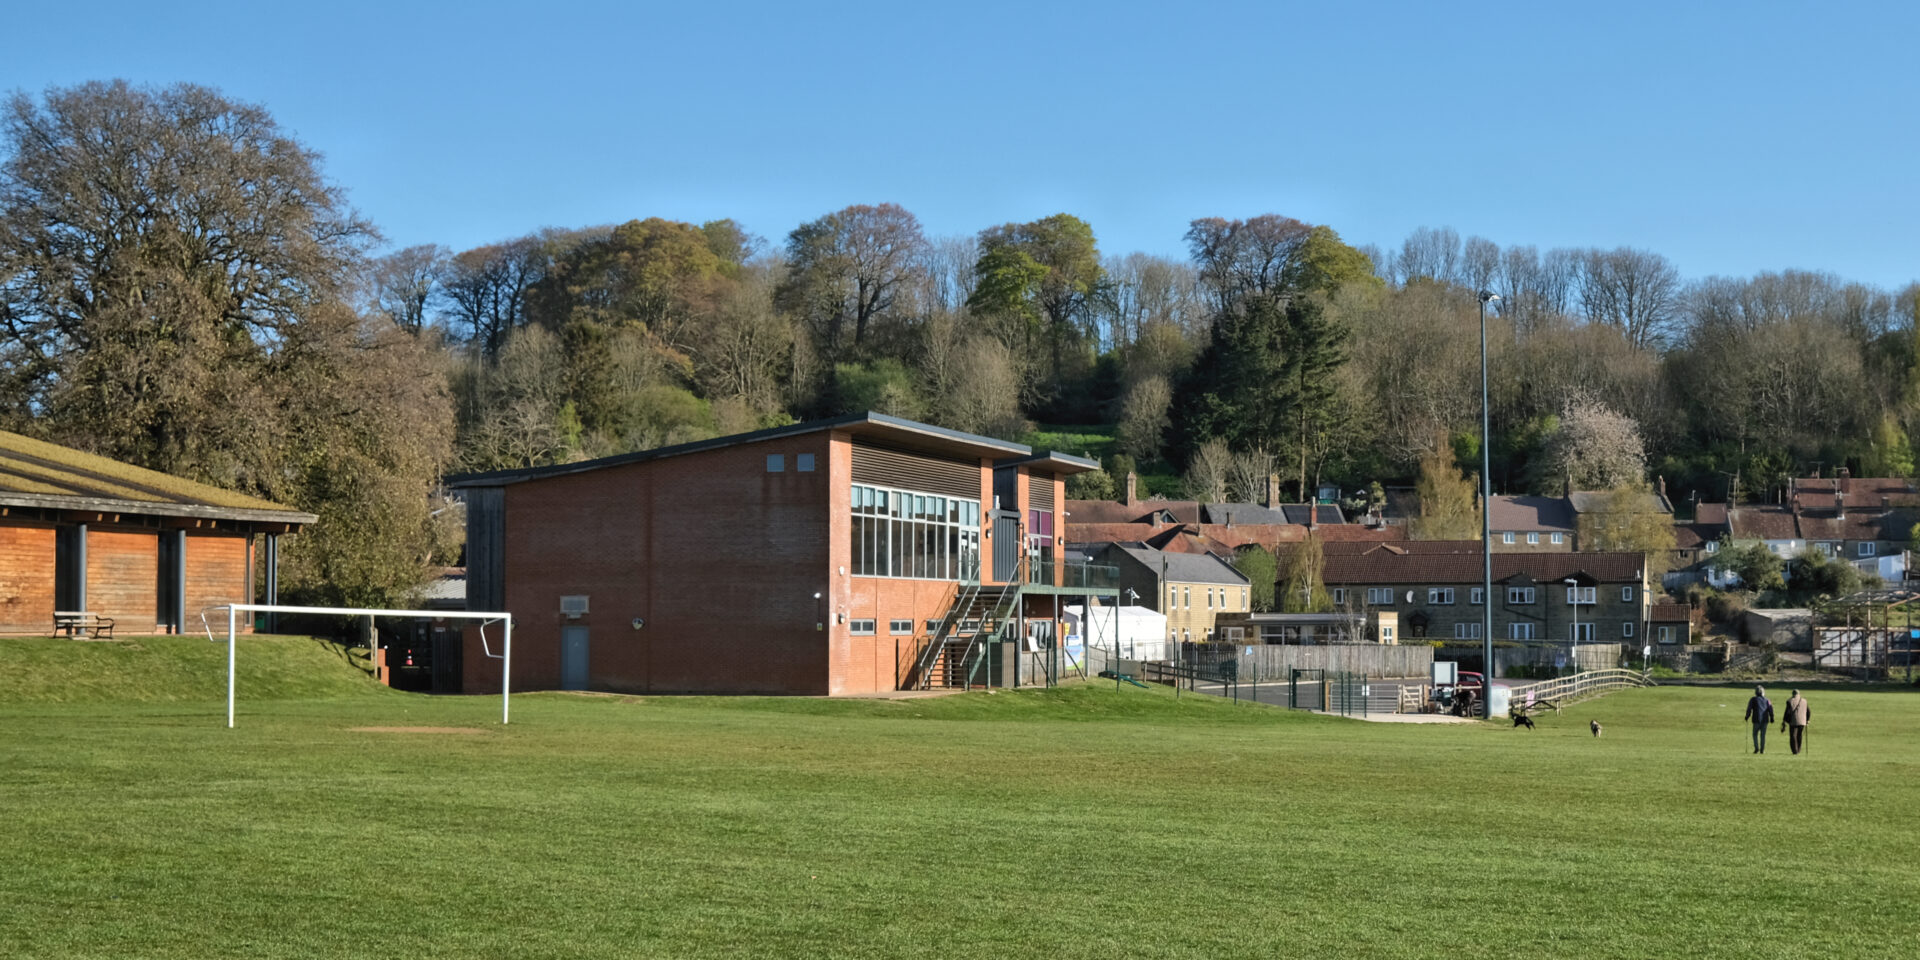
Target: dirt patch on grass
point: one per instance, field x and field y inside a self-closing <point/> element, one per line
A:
<point x="415" y="730"/>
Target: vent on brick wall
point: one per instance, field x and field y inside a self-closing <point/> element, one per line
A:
<point x="573" y="606"/>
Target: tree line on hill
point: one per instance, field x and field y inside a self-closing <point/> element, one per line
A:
<point x="184" y="289"/>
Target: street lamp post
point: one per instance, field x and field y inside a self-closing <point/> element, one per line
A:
<point x="1486" y="524"/>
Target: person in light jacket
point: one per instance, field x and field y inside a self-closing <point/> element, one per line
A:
<point x="1795" y="722"/>
<point x="1760" y="712"/>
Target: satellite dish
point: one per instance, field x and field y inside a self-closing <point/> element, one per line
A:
<point x="1409" y="596"/>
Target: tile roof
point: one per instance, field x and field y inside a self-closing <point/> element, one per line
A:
<point x="1184" y="567"/>
<point x="1352" y="548"/>
<point x="1669" y="612"/>
<point x="1383" y="566"/>
<point x="1858" y="491"/>
<point x="34" y="473"/>
<point x="1714" y="513"/>
<point x="1778" y="522"/>
<point x="1532" y="513"/>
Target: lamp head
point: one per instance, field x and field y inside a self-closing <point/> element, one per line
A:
<point x="1488" y="295"/>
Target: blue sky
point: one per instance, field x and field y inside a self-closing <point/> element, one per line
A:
<point x="1733" y="138"/>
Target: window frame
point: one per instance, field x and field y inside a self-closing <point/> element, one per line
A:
<point x="1475" y="596"/>
<point x="1626" y="628"/>
<point x="1533" y="538"/>
<point x="854" y="629"/>
<point x="1626" y="594"/>
<point x="776" y="463"/>
<point x="803" y="463"/>
<point x="1520" y="630"/>
<point x="1558" y="538"/>
<point x="1529" y="593"/>
<point x="1440" y="596"/>
<point x="1867" y="548"/>
<point x="1582" y="596"/>
<point x="1506" y="536"/>
<point x="893" y="628"/>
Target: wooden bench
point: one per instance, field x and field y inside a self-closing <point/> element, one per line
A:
<point x="77" y="623"/>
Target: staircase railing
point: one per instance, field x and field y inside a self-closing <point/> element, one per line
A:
<point x="963" y="600"/>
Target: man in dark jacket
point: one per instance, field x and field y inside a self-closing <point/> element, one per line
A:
<point x="1760" y="712"/>
<point x="1795" y="722"/>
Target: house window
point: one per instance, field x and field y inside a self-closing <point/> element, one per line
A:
<point x="898" y="533"/>
<point x="1235" y="634"/>
<point x="1439" y="596"/>
<point x="1867" y="548"/>
<point x="1559" y="537"/>
<point x="1209" y="598"/>
<point x="1186" y="635"/>
<point x="1466" y="631"/>
<point x="1243" y="598"/>
<point x="1506" y="537"/>
<point x="1339" y="596"/>
<point x="1040" y="546"/>
<point x="1187" y="593"/>
<point x="1826" y="549"/>
<point x="1380" y="596"/>
<point x="1386" y="634"/>
<point x="1666" y="634"/>
<point x="1533" y="538"/>
<point x="1713" y="546"/>
<point x="860" y="628"/>
<point x="1581" y="594"/>
<point x="1581" y="632"/>
<point x="900" y="628"/>
<point x="1519" y="631"/>
<point x="776" y="462"/>
<point x="1626" y="628"/>
<point x="1519" y="595"/>
<point x="803" y="463"/>
<point x="1474" y="596"/>
<point x="1626" y="593"/>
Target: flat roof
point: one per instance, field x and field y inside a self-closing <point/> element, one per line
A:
<point x="35" y="473"/>
<point x="1059" y="463"/>
<point x="877" y="425"/>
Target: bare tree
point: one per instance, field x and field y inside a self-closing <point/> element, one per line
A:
<point x="406" y="284"/>
<point x="1479" y="263"/>
<point x="1238" y="258"/>
<point x="487" y="287"/>
<point x="1429" y="254"/>
<point x="1635" y="290"/>
<point x="1143" y="417"/>
<point x="1248" y="474"/>
<point x="1209" y="471"/>
<point x="742" y="354"/>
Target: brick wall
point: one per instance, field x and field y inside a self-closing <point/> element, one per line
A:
<point x="26" y="578"/>
<point x="123" y="577"/>
<point x="719" y="557"/>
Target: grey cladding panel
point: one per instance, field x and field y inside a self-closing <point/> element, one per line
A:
<point x="915" y="471"/>
<point x="486" y="548"/>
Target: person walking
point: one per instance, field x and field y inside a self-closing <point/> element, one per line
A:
<point x="1795" y="722"/>
<point x="1760" y="712"/>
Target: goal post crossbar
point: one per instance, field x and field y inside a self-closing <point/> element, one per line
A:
<point x="234" y="610"/>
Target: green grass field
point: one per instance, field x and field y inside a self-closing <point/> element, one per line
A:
<point x="1080" y="822"/>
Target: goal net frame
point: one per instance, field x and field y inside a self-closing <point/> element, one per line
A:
<point x="234" y="609"/>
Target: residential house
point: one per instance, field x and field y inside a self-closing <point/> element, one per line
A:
<point x="1533" y="524"/>
<point x="150" y="551"/>
<point x="830" y="557"/>
<point x="1220" y="528"/>
<point x="1549" y="597"/>
<point x="1670" y="623"/>
<point x="1190" y="588"/>
<point x="1866" y="521"/>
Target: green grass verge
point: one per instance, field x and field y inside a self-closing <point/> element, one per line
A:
<point x="1080" y="822"/>
<point x="176" y="669"/>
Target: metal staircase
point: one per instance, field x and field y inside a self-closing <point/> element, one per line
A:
<point x="955" y="653"/>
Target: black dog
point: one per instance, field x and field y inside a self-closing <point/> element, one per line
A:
<point x="1522" y="720"/>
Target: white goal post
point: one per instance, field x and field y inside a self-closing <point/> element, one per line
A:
<point x="233" y="611"/>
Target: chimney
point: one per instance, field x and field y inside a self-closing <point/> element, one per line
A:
<point x="1273" y="491"/>
<point x="1566" y="486"/>
<point x="1132" y="482"/>
<point x="1846" y="480"/>
<point x="1886" y="502"/>
<point x="1840" y="505"/>
<point x="1663" y="489"/>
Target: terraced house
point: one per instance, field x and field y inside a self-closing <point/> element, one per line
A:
<point x="1434" y="590"/>
<point x="90" y="545"/>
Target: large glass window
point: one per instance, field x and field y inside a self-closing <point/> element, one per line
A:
<point x="1040" y="546"/>
<point x="898" y="533"/>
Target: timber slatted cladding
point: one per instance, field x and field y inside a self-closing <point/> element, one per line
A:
<point x="1040" y="492"/>
<point x="902" y="470"/>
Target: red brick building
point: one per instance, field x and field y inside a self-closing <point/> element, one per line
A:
<point x="852" y="555"/>
<point x="79" y="532"/>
